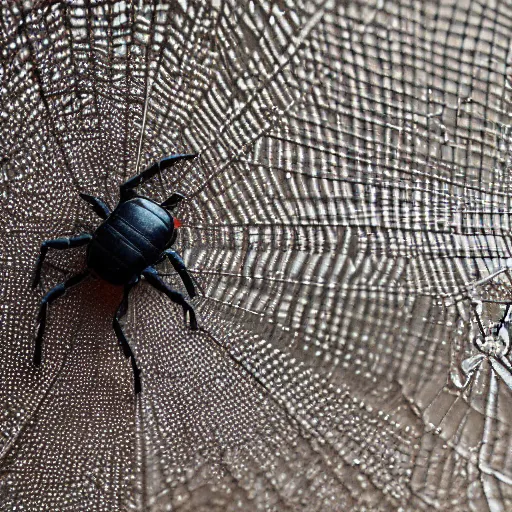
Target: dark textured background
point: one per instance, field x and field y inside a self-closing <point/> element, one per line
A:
<point x="350" y="201"/>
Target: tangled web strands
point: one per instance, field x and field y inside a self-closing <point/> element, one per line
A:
<point x="347" y="223"/>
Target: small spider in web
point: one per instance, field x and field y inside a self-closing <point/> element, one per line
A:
<point x="132" y="239"/>
<point x="493" y="344"/>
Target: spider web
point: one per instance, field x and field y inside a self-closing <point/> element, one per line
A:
<point x="349" y="205"/>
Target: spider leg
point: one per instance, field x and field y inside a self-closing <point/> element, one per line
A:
<point x="502" y="321"/>
<point x="51" y="296"/>
<point x="173" y="201"/>
<point x="157" y="282"/>
<point x="181" y="269"/>
<point x="502" y="367"/>
<point x="127" y="187"/>
<point x="99" y="207"/>
<point x="121" y="311"/>
<point x="57" y="243"/>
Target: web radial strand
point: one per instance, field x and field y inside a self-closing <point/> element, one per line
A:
<point x="347" y="226"/>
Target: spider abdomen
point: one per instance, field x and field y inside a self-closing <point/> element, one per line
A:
<point x="132" y="238"/>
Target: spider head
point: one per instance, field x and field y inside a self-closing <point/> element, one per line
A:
<point x="176" y="223"/>
<point x="496" y="344"/>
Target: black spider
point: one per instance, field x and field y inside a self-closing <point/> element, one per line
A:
<point x="135" y="236"/>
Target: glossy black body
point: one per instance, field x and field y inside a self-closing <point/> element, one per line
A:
<point x="133" y="237"/>
<point x="125" y="247"/>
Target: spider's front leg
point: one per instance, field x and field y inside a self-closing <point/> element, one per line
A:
<point x="156" y="281"/>
<point x="127" y="187"/>
<point x="171" y="202"/>
<point x="57" y="243"/>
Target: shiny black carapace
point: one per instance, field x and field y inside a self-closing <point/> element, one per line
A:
<point x="132" y="239"/>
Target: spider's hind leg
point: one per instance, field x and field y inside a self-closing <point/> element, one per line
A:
<point x="57" y="243"/>
<point x="51" y="296"/>
<point x="121" y="311"/>
<point x="127" y="187"/>
<point x="155" y="280"/>
<point x="181" y="269"/>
